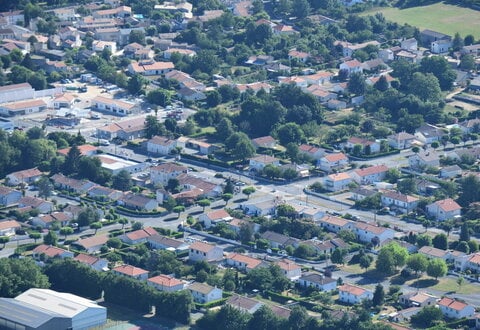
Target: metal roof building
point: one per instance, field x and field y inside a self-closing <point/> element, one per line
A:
<point x="48" y="309"/>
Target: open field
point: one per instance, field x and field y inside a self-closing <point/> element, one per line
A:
<point x="439" y="17"/>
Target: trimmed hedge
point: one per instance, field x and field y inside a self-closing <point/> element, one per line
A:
<point x="215" y="303"/>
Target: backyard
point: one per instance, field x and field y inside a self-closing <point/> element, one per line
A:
<point x="439" y="17"/>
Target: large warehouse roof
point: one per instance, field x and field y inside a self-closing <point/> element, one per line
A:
<point x="27" y="315"/>
<point x="62" y="303"/>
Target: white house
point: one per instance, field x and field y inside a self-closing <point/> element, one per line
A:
<point x="455" y="309"/>
<point x="22" y="108"/>
<point x="138" y="236"/>
<point x="433" y="253"/>
<point x="245" y="304"/>
<point x="401" y="140"/>
<point x="259" y="162"/>
<point x="8" y="227"/>
<point x="26" y="176"/>
<point x="417" y="299"/>
<point x="290" y="269"/>
<point x="150" y="68"/>
<point x="318" y="282"/>
<point x="366" y="233"/>
<point x="242" y="262"/>
<point x="98" y="264"/>
<point x="352" y="294"/>
<point x="429" y="133"/>
<point x="159" y="175"/>
<point x="399" y="201"/>
<point x="200" y="251"/>
<point x="48" y="251"/>
<point x="165" y="283"/>
<point x="338" y="181"/>
<point x="369" y="175"/>
<point x="161" y="145"/>
<point x="424" y="159"/>
<point x="117" y="107"/>
<point x="444" y="209"/>
<point x="352" y="66"/>
<point x="334" y="224"/>
<point x="212" y="218"/>
<point x="368" y="146"/>
<point x="331" y="162"/>
<point x="204" y="293"/>
<point x="440" y="46"/>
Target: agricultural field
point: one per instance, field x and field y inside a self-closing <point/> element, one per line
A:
<point x="439" y="17"/>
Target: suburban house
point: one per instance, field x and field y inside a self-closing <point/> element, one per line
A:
<point x="200" y="251"/>
<point x="417" y="299"/>
<point x="260" y="206"/>
<point x="471" y="262"/>
<point x="48" y="251"/>
<point x="449" y="172"/>
<point x="202" y="187"/>
<point x="279" y="241"/>
<point x="334" y="224"/>
<point x="333" y="162"/>
<point x="98" y="264"/>
<point x="9" y="196"/>
<point x="214" y="217"/>
<point x="245" y="304"/>
<point x="26" y="176"/>
<point x="352" y="66"/>
<point x="62" y="182"/>
<point x="404" y="315"/>
<point x="242" y="262"/>
<point x="104" y="193"/>
<point x="85" y="150"/>
<point x="401" y="140"/>
<point x="440" y="46"/>
<point x="137" y="202"/>
<point x="131" y="271"/>
<point x="22" y="108"/>
<point x="113" y="106"/>
<point x="236" y="225"/>
<point x="92" y="244"/>
<point x="160" y="174"/>
<point x="41" y="205"/>
<point x="444" y="209"/>
<point x="455" y="309"/>
<point x="424" y="159"/>
<point x="368" y="146"/>
<point x="398" y="201"/>
<point x="360" y="193"/>
<point x="318" y="282"/>
<point x="267" y="142"/>
<point x="9" y="227"/>
<point x="368" y="233"/>
<point x="370" y="174"/>
<point x="311" y="151"/>
<point x="338" y="181"/>
<point x="138" y="236"/>
<point x="290" y="269"/>
<point x="352" y="294"/>
<point x="166" y="243"/>
<point x="165" y="283"/>
<point x="47" y="220"/>
<point x="16" y="92"/>
<point x="433" y="253"/>
<point x="161" y="145"/>
<point x="128" y="129"/>
<point x="259" y="162"/>
<point x="204" y="293"/>
<point x="429" y="133"/>
<point x="150" y="68"/>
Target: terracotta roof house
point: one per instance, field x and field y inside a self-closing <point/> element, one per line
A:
<point x="333" y="162"/>
<point x="49" y="251"/>
<point x="137" y="202"/>
<point x="259" y="162"/>
<point x="62" y="182"/>
<point x="150" y="68"/>
<point x="264" y="142"/>
<point x="9" y="227"/>
<point x="212" y="218"/>
<point x="113" y="106"/>
<point x="290" y="269"/>
<point x="352" y="66"/>
<point x="370" y="174"/>
<point x="338" y="181"/>
<point x="311" y="151"/>
<point x="444" y="209"/>
<point x="398" y="201"/>
<point x="318" y="282"/>
<point x="161" y="145"/>
<point x="159" y="175"/>
<point x="85" y="150"/>
<point x="200" y="251"/>
<point x="242" y="262"/>
<point x="401" y="140"/>
<point x="207" y="188"/>
<point x="334" y="224"/>
<point x="128" y="129"/>
<point x="47" y="220"/>
<point x="138" y="236"/>
<point x="104" y="193"/>
<point x="245" y="304"/>
<point x="92" y="244"/>
<point x="434" y="253"/>
<point x="131" y="271"/>
<point x="455" y="309"/>
<point x="352" y="294"/>
<point x="99" y="264"/>
<point x="368" y="146"/>
<point x="26" y="176"/>
<point x="165" y="283"/>
<point x="41" y="205"/>
<point x="368" y="233"/>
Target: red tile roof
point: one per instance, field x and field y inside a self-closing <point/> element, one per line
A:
<point x="165" y="280"/>
<point x="452" y="303"/>
<point x="371" y="170"/>
<point x="448" y="205"/>
<point x="352" y="289"/>
<point x="130" y="270"/>
<point x="202" y="247"/>
<point x="141" y="233"/>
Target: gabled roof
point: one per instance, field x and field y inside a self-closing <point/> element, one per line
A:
<point x="434" y="252"/>
<point x="93" y="241"/>
<point x="165" y="280"/>
<point x="218" y="214"/>
<point x="370" y="228"/>
<point x="250" y="262"/>
<point x="448" y="205"/>
<point x="399" y="196"/>
<point x="141" y="233"/>
<point x="48" y="250"/>
<point x="287" y="265"/>
<point x="317" y="278"/>
<point x="26" y="174"/>
<point x="336" y="221"/>
<point x="335" y="157"/>
<point x="9" y="224"/>
<point x="352" y="289"/>
<point x="200" y="287"/>
<point x="371" y="170"/>
<point x="202" y="247"/>
<point x="243" y="303"/>
<point x="130" y="270"/>
<point x="452" y="303"/>
<point x="169" y="168"/>
<point x="87" y="259"/>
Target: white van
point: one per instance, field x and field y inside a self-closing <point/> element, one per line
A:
<point x="103" y="142"/>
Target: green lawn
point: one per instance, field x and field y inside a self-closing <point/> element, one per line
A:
<point x="449" y="284"/>
<point x="438" y="17"/>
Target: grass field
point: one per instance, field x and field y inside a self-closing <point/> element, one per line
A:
<point x="439" y="17"/>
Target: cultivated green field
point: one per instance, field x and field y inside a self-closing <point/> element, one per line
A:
<point x="439" y="17"/>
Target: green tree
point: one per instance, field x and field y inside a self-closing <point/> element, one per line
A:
<point x="50" y="238"/>
<point x="378" y="296"/>
<point x="248" y="191"/>
<point x="114" y="243"/>
<point x="204" y="203"/>
<point x="357" y="84"/>
<point x="206" y="61"/>
<point x="224" y="129"/>
<point x="290" y="132"/>
<point x="440" y="68"/>
<point x="4" y="240"/>
<point x="226" y="197"/>
<point x="365" y="261"/>
<point x="425" y="86"/>
<point x="437" y="268"/>
<point x="264" y="319"/>
<point x="135" y="84"/>
<point x="427" y="317"/>
<point x="87" y="216"/>
<point x="179" y="209"/>
<point x="153" y="127"/>
<point x="464" y="232"/>
<point x="123" y="222"/>
<point x="159" y="96"/>
<point x="440" y="241"/>
<point x="35" y="236"/>
<point x="137" y="36"/>
<point x="467" y="63"/>
<point x="66" y="231"/>
<point x="338" y="256"/>
<point x="390" y="257"/>
<point x="96" y="225"/>
<point x="470" y="191"/>
<point x="407" y="186"/>
<point x="424" y="240"/>
<point x="122" y="181"/>
<point x="45" y="187"/>
<point x="417" y="262"/>
<point x="19" y="275"/>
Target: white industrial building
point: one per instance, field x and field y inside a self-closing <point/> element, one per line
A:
<point x="48" y="309"/>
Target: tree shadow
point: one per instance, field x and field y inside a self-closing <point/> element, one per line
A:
<point x="398" y="280"/>
<point x="196" y="212"/>
<point x="371" y="277"/>
<point x="424" y="283"/>
<point x="240" y="200"/>
<point x="218" y="207"/>
<point x="172" y="218"/>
